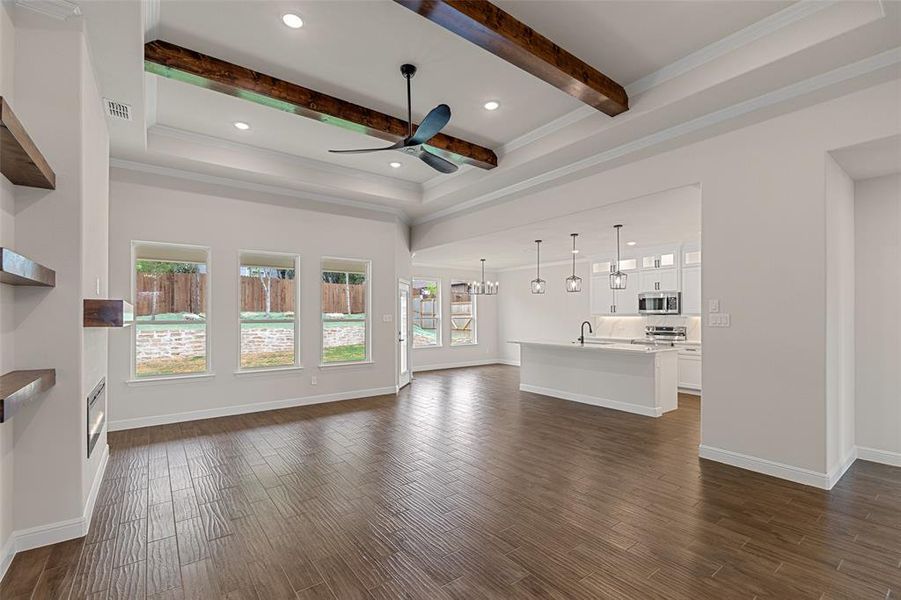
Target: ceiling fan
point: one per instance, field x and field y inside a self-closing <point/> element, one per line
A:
<point x="433" y="123"/>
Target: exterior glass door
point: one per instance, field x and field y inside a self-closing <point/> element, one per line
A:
<point x="403" y="333"/>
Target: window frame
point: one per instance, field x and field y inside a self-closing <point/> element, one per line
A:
<point x="208" y="346"/>
<point x="440" y="313"/>
<point x="473" y="299"/>
<point x="367" y="321"/>
<point x="298" y="358"/>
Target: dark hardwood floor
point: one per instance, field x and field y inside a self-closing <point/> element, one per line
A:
<point x="463" y="487"/>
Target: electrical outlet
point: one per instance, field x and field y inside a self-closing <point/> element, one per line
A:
<point x="714" y="305"/>
<point x="313" y="380"/>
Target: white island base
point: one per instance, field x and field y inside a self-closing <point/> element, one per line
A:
<point x="631" y="378"/>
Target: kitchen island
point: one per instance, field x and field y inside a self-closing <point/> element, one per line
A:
<point x="629" y="377"/>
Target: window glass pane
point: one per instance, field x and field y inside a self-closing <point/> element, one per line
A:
<point x="170" y="310"/>
<point x="170" y="290"/>
<point x="628" y="264"/>
<point x="426" y="313"/>
<point x="667" y="260"/>
<point x="268" y="318"/>
<point x="169" y="349"/>
<point x="463" y="315"/>
<point x="344" y="310"/>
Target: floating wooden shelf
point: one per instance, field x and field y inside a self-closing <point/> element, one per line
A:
<point x="100" y="312"/>
<point x="20" y="160"/>
<point x="18" y="387"/>
<point x="16" y="269"/>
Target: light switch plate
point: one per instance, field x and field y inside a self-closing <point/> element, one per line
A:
<point x="387" y="318"/>
<point x="714" y="305"/>
<point x="719" y="320"/>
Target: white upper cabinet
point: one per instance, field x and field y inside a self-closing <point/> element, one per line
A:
<point x="660" y="261"/>
<point x="691" y="290"/>
<point x="658" y="280"/>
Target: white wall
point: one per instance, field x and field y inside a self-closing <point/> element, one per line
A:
<point x="840" y="317"/>
<point x="7" y="296"/>
<point x="162" y="209"/>
<point x="877" y="220"/>
<point x="447" y="356"/>
<point x="764" y="236"/>
<point x="552" y="315"/>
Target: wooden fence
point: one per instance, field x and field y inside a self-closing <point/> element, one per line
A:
<point x="187" y="292"/>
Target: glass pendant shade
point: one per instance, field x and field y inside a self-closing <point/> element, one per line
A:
<point x="574" y="283"/>
<point x="617" y="277"/>
<point x="539" y="285"/>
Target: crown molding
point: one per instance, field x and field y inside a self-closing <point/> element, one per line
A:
<point x="860" y="68"/>
<point x="767" y="26"/>
<point x="58" y="9"/>
<point x="152" y="169"/>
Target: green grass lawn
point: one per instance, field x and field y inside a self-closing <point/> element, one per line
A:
<point x="171" y="366"/>
<point x="265" y="360"/>
<point x="351" y="353"/>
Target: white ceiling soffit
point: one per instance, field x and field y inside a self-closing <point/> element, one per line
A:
<point x="666" y="217"/>
<point x="871" y="159"/>
<point x="814" y="52"/>
<point x="780" y="60"/>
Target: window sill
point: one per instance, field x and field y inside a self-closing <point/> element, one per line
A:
<point x="358" y="363"/>
<point x="169" y="379"/>
<point x="270" y="370"/>
<point x="464" y="345"/>
<point x="428" y="347"/>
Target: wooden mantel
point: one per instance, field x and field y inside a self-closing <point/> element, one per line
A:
<point x="20" y="160"/>
<point x="103" y="312"/>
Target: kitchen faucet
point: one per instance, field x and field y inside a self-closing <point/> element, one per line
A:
<point x="582" y="337"/>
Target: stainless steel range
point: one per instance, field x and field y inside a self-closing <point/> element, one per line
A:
<point x="661" y="335"/>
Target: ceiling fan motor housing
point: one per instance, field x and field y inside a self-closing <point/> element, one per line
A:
<point x="408" y="70"/>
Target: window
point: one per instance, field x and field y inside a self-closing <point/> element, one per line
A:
<point x="426" y="313"/>
<point x="463" y="315"/>
<point x="171" y="284"/>
<point x="268" y="296"/>
<point x="345" y="310"/>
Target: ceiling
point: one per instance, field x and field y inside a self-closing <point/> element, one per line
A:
<point x="871" y="159"/>
<point x="721" y="53"/>
<point x="671" y="216"/>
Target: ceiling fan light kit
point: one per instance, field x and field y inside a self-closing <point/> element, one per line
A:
<point x="414" y="143"/>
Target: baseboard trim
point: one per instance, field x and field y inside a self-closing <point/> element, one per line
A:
<point x="884" y="457"/>
<point x="7" y="553"/>
<point x="767" y="467"/>
<point x="839" y="472"/>
<point x="242" y="409"/>
<point x="637" y="409"/>
<point x="456" y="365"/>
<point x="690" y="391"/>
<point x="95" y="489"/>
<point x="507" y="361"/>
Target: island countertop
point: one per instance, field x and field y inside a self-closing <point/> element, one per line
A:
<point x="598" y="346"/>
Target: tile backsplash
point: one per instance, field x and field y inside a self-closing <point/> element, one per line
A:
<point x="633" y="327"/>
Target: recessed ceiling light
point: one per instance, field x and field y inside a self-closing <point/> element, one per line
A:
<point x="293" y="21"/>
<point x="631" y="243"/>
<point x="241" y="125"/>
<point x="492" y="105"/>
<point x="395" y="165"/>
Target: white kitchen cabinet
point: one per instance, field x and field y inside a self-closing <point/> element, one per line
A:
<point x="658" y="280"/>
<point x="605" y="301"/>
<point x="691" y="290"/>
<point x="659" y="261"/>
<point x="690" y="368"/>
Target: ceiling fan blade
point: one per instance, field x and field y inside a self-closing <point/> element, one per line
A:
<point x="396" y="146"/>
<point x="431" y="125"/>
<point x="436" y="162"/>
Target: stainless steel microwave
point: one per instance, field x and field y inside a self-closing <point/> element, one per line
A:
<point x="660" y="303"/>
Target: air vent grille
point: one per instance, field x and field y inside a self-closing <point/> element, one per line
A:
<point x="117" y="110"/>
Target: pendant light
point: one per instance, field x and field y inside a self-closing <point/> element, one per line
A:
<point x="617" y="277"/>
<point x="573" y="283"/>
<point x="482" y="288"/>
<point x="538" y="284"/>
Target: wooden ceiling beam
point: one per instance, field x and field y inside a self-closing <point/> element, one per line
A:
<point x="498" y="32"/>
<point x="183" y="64"/>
